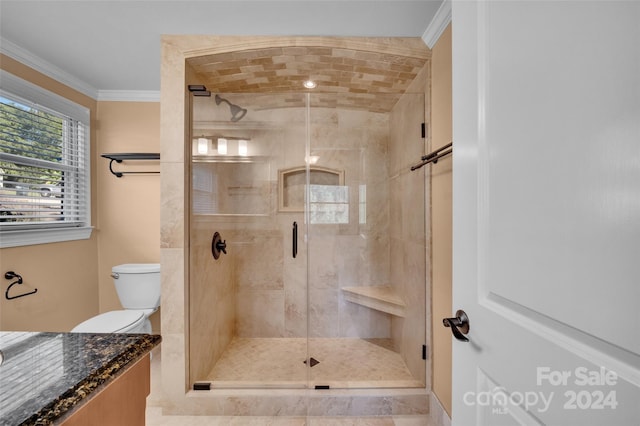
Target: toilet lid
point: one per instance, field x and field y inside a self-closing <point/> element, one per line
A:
<point x="111" y="322"/>
<point x="136" y="268"/>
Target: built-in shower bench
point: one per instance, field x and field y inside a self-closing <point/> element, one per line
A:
<point x="383" y="298"/>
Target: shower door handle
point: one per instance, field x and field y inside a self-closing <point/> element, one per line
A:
<point x="294" y="240"/>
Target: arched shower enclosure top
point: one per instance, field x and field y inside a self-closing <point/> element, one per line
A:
<point x="320" y="276"/>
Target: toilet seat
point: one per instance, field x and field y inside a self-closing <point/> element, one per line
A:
<point x="112" y="322"/>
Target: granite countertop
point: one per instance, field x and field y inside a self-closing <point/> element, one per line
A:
<point x="45" y="375"/>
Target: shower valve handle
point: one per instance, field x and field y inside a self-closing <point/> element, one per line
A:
<point x="218" y="245"/>
<point x="222" y="246"/>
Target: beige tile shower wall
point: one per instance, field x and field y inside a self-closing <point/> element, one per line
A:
<point x="353" y="254"/>
<point x="212" y="298"/>
<point x="408" y="237"/>
<point x="259" y="276"/>
<point x="268" y="300"/>
<point x="174" y="220"/>
<point x="271" y="286"/>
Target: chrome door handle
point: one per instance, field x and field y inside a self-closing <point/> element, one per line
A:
<point x="459" y="325"/>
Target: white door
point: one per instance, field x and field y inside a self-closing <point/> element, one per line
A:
<point x="546" y="210"/>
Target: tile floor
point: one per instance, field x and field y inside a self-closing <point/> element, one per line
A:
<point x="156" y="418"/>
<point x="343" y="363"/>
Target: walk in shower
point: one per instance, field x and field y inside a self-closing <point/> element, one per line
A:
<point x="316" y="277"/>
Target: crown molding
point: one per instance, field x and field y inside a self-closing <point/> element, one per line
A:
<point x="129" y="95"/>
<point x="29" y="59"/>
<point x="438" y="24"/>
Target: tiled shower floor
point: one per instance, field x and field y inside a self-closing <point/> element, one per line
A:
<point x="279" y="362"/>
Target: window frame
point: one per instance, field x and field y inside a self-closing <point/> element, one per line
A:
<point x="11" y="85"/>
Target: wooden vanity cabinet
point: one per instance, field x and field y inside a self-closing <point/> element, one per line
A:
<point x="122" y="401"/>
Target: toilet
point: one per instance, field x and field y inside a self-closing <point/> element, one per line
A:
<point x="138" y="287"/>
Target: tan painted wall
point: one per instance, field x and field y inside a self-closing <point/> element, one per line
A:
<point x="65" y="274"/>
<point x="73" y="278"/>
<point x="129" y="207"/>
<point x="441" y="188"/>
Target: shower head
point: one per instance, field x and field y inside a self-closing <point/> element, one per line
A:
<point x="236" y="112"/>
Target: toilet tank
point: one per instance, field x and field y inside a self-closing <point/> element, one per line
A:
<point x="138" y="285"/>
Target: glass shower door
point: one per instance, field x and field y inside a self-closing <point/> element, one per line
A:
<point x="248" y="307"/>
<point x="366" y="242"/>
<point x="323" y="279"/>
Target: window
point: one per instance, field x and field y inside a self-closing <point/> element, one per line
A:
<point x="328" y="204"/>
<point x="44" y="166"/>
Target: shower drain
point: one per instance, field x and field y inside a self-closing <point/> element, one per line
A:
<point x="312" y="361"/>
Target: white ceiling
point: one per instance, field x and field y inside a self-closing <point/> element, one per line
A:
<point x="115" y="45"/>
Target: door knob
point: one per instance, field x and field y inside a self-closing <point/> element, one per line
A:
<point x="459" y="325"/>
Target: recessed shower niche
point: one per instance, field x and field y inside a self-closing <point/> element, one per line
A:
<point x="325" y="170"/>
<point x="326" y="186"/>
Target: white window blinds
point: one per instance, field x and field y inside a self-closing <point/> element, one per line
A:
<point x="44" y="159"/>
